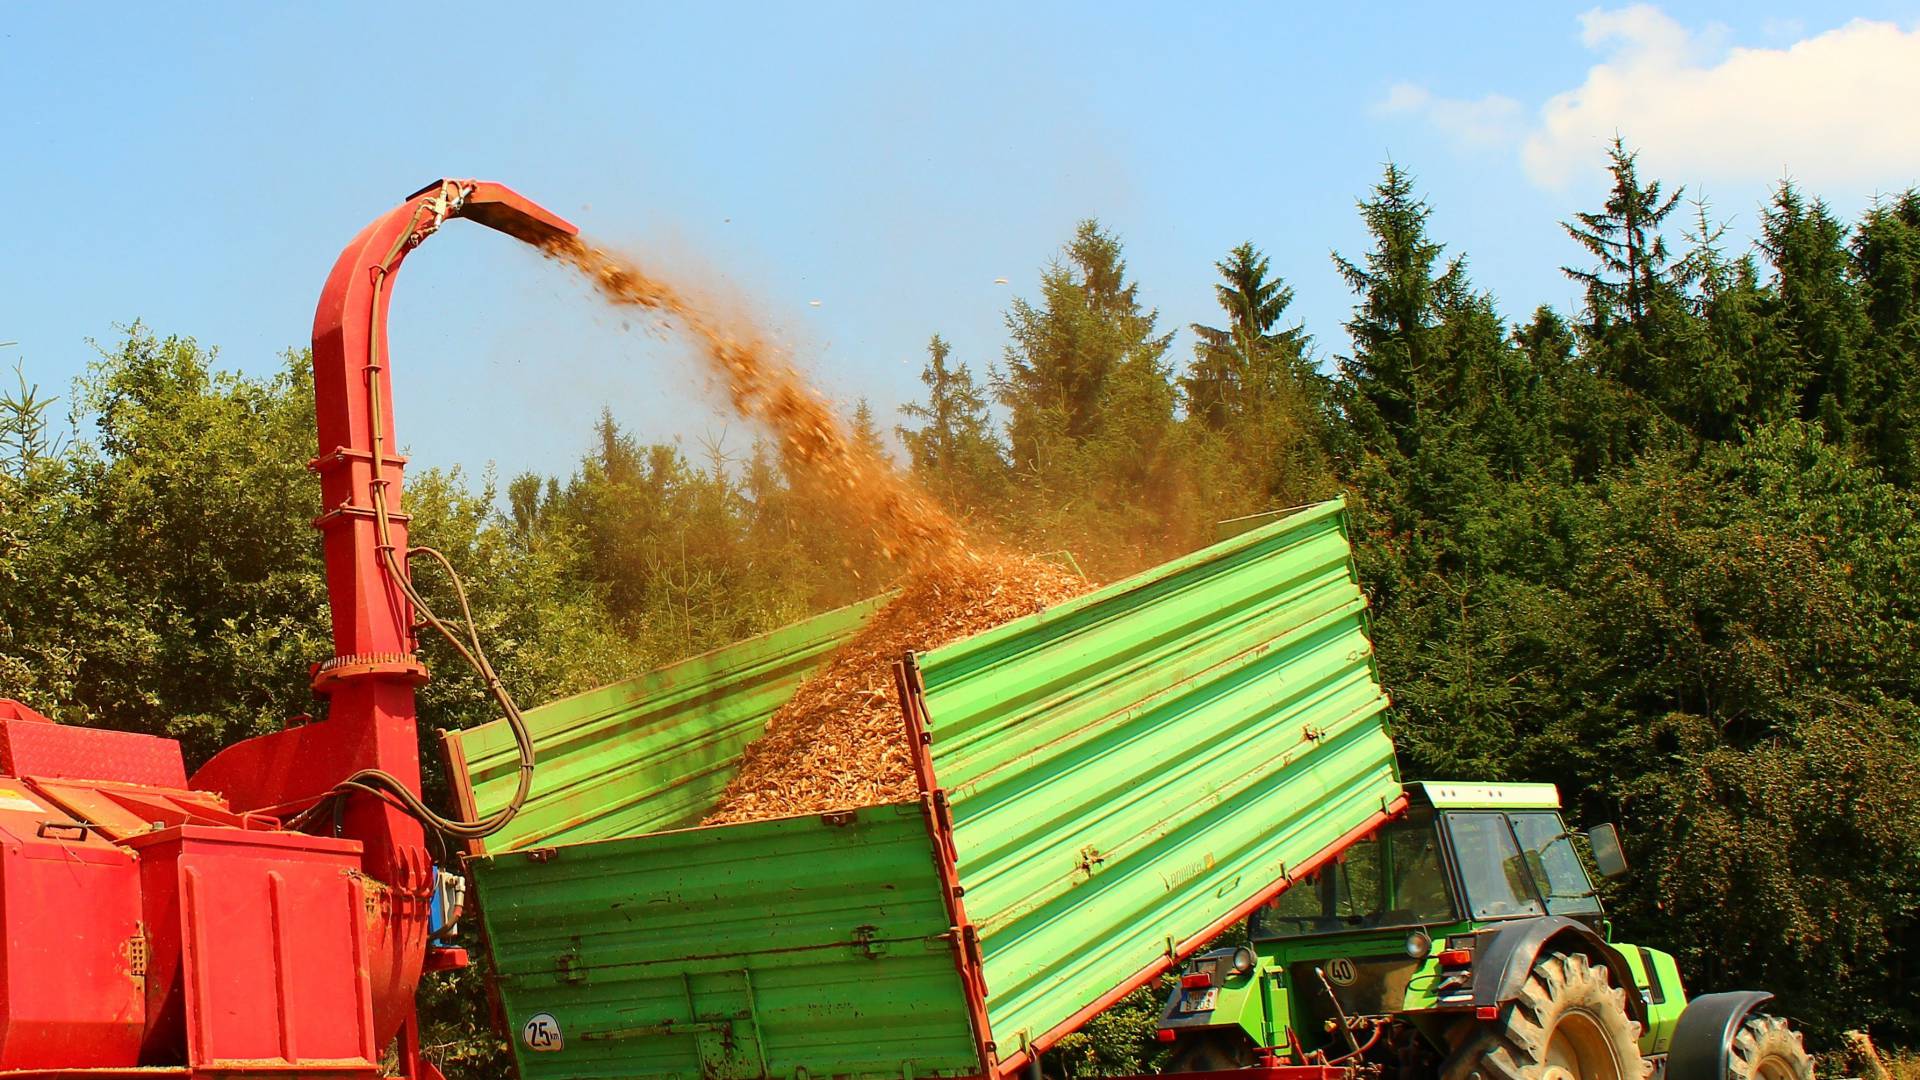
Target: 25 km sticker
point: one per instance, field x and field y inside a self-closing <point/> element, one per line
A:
<point x="1340" y="971"/>
<point x="542" y="1033"/>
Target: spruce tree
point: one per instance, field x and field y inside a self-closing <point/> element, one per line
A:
<point x="951" y="446"/>
<point x="1817" y="320"/>
<point x="1886" y="260"/>
<point x="1396" y="370"/>
<point x="1239" y="366"/>
<point x="1636" y="310"/>
<point x="1067" y="349"/>
<point x="1625" y="240"/>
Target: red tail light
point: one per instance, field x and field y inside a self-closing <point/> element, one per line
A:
<point x="1456" y="958"/>
<point x="1198" y="980"/>
<point x="1164" y="1035"/>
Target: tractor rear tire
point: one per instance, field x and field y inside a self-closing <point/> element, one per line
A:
<point x="1569" y="1023"/>
<point x="1765" y="1048"/>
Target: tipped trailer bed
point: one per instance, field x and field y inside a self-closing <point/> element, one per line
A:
<point x="1103" y="787"/>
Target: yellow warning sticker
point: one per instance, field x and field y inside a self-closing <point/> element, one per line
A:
<point x="12" y="798"/>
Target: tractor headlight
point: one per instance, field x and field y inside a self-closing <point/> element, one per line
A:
<point x="1242" y="960"/>
<point x="1419" y="945"/>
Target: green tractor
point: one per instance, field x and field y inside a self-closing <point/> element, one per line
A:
<point x="1464" y="941"/>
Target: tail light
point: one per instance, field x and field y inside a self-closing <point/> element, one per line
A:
<point x="1165" y="1035"/>
<point x="1197" y="980"/>
<point x="1455" y="958"/>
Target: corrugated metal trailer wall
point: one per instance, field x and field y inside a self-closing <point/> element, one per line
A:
<point x="1105" y="785"/>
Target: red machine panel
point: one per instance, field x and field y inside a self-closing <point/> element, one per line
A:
<point x="32" y="745"/>
<point x="259" y="946"/>
<point x="72" y="961"/>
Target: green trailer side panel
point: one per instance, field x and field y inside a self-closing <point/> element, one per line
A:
<point x="649" y="753"/>
<point x="1127" y="768"/>
<point x="750" y="950"/>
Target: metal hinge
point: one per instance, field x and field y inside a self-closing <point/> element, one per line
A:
<point x="867" y="940"/>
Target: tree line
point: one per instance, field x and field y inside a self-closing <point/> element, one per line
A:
<point x="1660" y="549"/>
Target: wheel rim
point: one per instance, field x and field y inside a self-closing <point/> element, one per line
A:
<point x="1578" y="1050"/>
<point x="1773" y="1067"/>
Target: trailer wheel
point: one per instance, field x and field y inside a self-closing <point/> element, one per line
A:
<point x="1215" y="1051"/>
<point x="1765" y="1048"/>
<point x="1569" y="1023"/>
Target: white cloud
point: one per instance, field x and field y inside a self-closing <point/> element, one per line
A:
<point x="1836" y="110"/>
<point x="1493" y="120"/>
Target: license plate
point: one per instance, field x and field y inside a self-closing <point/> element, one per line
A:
<point x="1202" y="1003"/>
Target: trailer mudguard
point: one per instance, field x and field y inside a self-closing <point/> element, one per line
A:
<point x="1703" y="1039"/>
<point x="1501" y="965"/>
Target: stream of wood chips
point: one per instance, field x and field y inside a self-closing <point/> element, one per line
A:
<point x="841" y="741"/>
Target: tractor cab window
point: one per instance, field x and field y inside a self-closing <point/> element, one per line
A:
<point x="1391" y="879"/>
<point x="1555" y="865"/>
<point x="1519" y="863"/>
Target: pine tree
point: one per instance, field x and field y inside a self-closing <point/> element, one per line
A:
<point x="1886" y="258"/>
<point x="1396" y="371"/>
<point x="866" y="430"/>
<point x="24" y="442"/>
<point x="1636" y="311"/>
<point x="1625" y="240"/>
<point x="1238" y="367"/>
<point x="1817" y="318"/>
<point x="952" y="448"/>
<point x="1719" y="349"/>
<point x="1067" y="349"/>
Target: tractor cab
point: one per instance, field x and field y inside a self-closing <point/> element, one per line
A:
<point x="1463" y="853"/>
<point x="1400" y="945"/>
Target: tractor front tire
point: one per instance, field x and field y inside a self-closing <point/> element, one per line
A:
<point x="1765" y="1048"/>
<point x="1569" y="1023"/>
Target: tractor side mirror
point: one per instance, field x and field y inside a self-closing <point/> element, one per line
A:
<point x="1608" y="857"/>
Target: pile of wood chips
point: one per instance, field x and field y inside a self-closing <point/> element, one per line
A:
<point x="841" y="741"/>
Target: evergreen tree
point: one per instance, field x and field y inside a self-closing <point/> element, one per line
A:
<point x="1067" y="349"/>
<point x="1719" y="350"/>
<point x="1396" y="372"/>
<point x="1635" y="307"/>
<point x="952" y="448"/>
<point x="866" y="430"/>
<point x="1886" y="258"/>
<point x="1625" y="240"/>
<point x="1239" y="367"/>
<point x="1817" y="319"/>
<point x="24" y="442"/>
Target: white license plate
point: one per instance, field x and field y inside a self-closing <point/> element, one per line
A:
<point x="1203" y="1003"/>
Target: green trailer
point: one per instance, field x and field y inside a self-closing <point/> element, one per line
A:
<point x="1103" y="787"/>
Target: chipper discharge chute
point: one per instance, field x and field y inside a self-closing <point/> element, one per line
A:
<point x="1103" y="787"/>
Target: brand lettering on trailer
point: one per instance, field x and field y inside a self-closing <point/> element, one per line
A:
<point x="542" y="1033"/>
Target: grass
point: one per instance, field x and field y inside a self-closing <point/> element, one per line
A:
<point x="1902" y="1064"/>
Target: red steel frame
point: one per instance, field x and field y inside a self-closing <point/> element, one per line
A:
<point x="967" y="956"/>
<point x="369" y="683"/>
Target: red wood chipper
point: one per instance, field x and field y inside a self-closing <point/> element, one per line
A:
<point x="272" y="914"/>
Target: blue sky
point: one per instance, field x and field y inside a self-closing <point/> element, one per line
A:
<point x="200" y="168"/>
